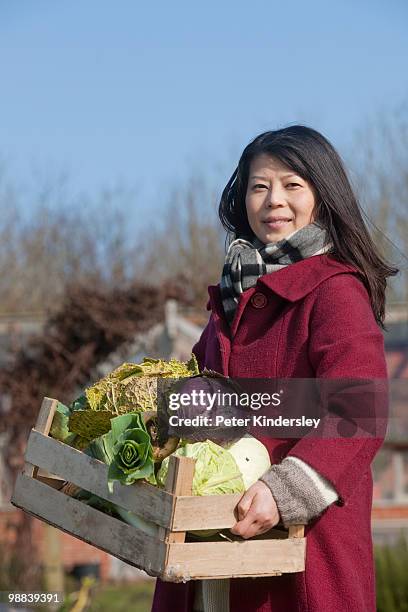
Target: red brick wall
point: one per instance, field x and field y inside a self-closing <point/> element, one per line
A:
<point x="73" y="551"/>
<point x="390" y="512"/>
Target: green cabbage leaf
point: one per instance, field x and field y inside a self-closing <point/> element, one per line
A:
<point x="127" y="449"/>
<point x="216" y="471"/>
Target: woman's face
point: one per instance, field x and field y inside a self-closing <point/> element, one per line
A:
<point x="278" y="201"/>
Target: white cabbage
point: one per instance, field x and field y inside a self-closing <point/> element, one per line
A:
<point x="251" y="457"/>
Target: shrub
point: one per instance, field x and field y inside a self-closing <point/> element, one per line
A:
<point x="392" y="577"/>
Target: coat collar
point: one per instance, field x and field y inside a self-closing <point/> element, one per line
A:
<point x="298" y="279"/>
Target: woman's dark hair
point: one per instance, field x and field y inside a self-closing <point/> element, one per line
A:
<point x="311" y="155"/>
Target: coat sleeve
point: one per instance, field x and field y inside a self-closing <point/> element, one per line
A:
<point x="346" y="343"/>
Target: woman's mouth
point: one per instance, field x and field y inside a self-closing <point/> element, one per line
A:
<point x="272" y="223"/>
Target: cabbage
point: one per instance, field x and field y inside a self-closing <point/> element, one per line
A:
<point x="133" y="386"/>
<point x="126" y="448"/>
<point x="90" y="424"/>
<point x="219" y="470"/>
<point x="216" y="471"/>
<point x="59" y="427"/>
<point x="252" y="458"/>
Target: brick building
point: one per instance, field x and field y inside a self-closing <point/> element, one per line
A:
<point x="390" y="499"/>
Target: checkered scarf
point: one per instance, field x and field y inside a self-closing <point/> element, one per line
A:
<point x="246" y="261"/>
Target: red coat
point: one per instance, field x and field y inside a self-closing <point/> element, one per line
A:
<point x="315" y="320"/>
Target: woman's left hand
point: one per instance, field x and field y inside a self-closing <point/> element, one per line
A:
<point x="257" y="511"/>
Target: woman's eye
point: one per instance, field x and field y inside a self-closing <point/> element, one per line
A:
<point x="294" y="184"/>
<point x="259" y="186"/>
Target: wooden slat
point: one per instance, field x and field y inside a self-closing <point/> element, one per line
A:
<point x="206" y="512"/>
<point x="149" y="502"/>
<point x="205" y="560"/>
<point x="179" y="481"/>
<point x="46" y="415"/>
<point x="212" y="512"/>
<point x="43" y="424"/>
<point x="55" y="483"/>
<point x="296" y="531"/>
<point x="90" y="525"/>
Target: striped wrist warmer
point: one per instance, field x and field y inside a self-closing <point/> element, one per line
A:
<point x="301" y="494"/>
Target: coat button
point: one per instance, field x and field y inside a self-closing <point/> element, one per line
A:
<point x="258" y="300"/>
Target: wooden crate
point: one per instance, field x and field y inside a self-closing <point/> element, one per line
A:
<point x="175" y="510"/>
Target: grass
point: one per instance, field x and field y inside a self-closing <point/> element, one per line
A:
<point x="136" y="597"/>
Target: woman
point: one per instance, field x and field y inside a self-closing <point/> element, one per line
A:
<point x="302" y="295"/>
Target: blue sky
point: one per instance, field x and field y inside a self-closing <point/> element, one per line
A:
<point x="143" y="93"/>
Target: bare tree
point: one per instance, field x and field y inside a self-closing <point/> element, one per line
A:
<point x="188" y="242"/>
<point x="50" y="238"/>
<point x="62" y="239"/>
<point x="380" y="155"/>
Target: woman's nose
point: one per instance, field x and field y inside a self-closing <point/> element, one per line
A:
<point x="275" y="198"/>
